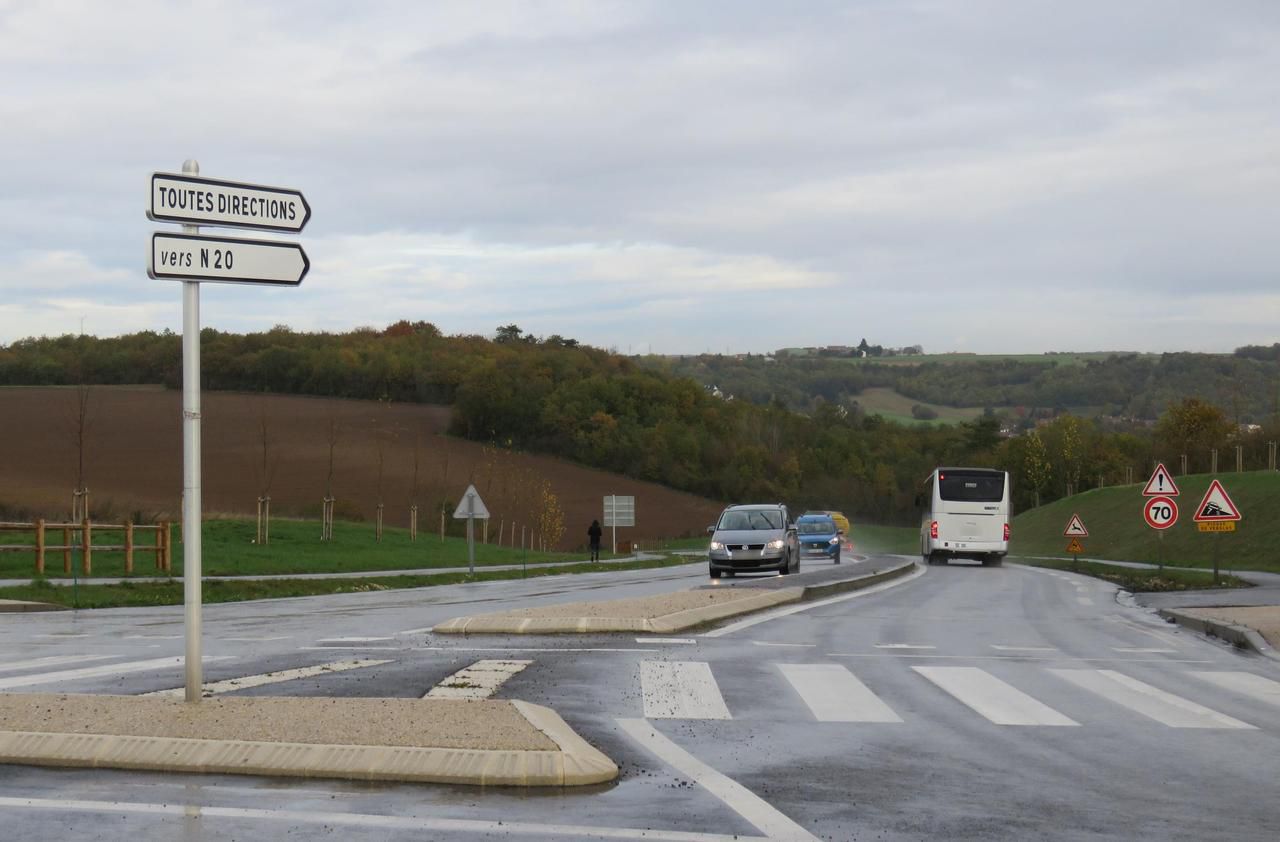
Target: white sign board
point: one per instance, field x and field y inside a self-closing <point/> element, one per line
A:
<point x="195" y="257"/>
<point x="619" y="510"/>
<point x="471" y="506"/>
<point x="193" y="200"/>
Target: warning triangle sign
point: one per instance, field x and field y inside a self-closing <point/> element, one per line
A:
<point x="1216" y="505"/>
<point x="1075" y="528"/>
<point x="1161" y="483"/>
<point x="1075" y="547"/>
<point x="471" y="506"/>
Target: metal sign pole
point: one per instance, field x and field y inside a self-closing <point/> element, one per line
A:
<point x="613" y="518"/>
<point x="191" y="545"/>
<point x="471" y="531"/>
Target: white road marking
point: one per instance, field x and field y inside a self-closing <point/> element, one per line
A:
<point x="99" y="671"/>
<point x="932" y="657"/>
<point x="478" y="681"/>
<point x="256" y="639"/>
<point x="766" y="818"/>
<point x="52" y="660"/>
<point x="999" y="702"/>
<point x="354" y="639"/>
<point x="680" y="690"/>
<point x="341" y="648"/>
<point x="538" y="649"/>
<point x="903" y="646"/>
<point x="152" y="637"/>
<point x="767" y="643"/>
<point x="64" y="634"/>
<point x="422" y="630"/>
<point x="1245" y="683"/>
<point x="1141" y="650"/>
<point x="1166" y="639"/>
<point x="795" y="609"/>
<point x="1004" y="648"/>
<point x="1151" y="702"/>
<point x="245" y="682"/>
<point x="836" y="695"/>
<point x="417" y="825"/>
<point x="665" y="640"/>
<point x="1084" y="600"/>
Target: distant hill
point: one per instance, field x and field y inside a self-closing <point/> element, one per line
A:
<point x="1117" y="530"/>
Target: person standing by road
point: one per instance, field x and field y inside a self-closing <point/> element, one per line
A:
<point x="593" y="533"/>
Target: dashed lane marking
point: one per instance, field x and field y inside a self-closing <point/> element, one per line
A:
<point x="551" y="649"/>
<point x="256" y="639"/>
<point x="1006" y="648"/>
<point x="478" y="681"/>
<point x="354" y="639"/>
<point x="680" y="690"/>
<point x="1084" y="600"/>
<point x="836" y="695"/>
<point x="992" y="698"/>
<point x="1143" y="650"/>
<point x="768" y="643"/>
<point x="52" y="660"/>
<point x="229" y="685"/>
<point x="904" y="646"/>
<point x="684" y="640"/>
<point x="1151" y="702"/>
<point x="100" y="671"/>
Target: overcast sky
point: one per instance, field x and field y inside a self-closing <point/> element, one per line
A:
<point x="682" y="176"/>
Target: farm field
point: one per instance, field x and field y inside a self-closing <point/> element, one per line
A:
<point x="133" y="463"/>
<point x="894" y="406"/>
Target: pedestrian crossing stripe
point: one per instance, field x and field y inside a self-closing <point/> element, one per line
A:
<point x="1216" y="505"/>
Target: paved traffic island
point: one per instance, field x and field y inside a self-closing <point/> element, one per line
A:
<point x="489" y="743"/>
<point x="680" y="610"/>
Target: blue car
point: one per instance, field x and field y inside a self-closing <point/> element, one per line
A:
<point x="818" y="537"/>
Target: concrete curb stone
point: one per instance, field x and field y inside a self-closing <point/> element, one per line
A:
<point x="17" y="606"/>
<point x="1237" y="635"/>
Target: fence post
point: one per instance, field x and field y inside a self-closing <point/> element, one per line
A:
<point x="1239" y="459"/>
<point x="40" y="547"/>
<point x="66" y="550"/>
<point x="86" y="548"/>
<point x="1213" y="459"/>
<point x="168" y="547"/>
<point x="128" y="547"/>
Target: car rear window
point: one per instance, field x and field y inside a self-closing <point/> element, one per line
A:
<point x="971" y="486"/>
<point x="817" y="527"/>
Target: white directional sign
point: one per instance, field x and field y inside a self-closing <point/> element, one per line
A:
<point x="1161" y="483"/>
<point x="1075" y="528"/>
<point x="619" y="510"/>
<point x="196" y="257"/>
<point x="193" y="200"/>
<point x="471" y="506"/>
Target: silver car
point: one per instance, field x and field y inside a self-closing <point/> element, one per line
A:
<point x="753" y="539"/>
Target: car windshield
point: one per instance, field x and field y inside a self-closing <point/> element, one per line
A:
<point x="816" y="527"/>
<point x="755" y="519"/>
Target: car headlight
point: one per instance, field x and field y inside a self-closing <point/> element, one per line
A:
<point x="835" y="540"/>
<point x="716" y="545"/>
<point x="775" y="544"/>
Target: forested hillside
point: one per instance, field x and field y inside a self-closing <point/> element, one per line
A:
<point x="1245" y="384"/>
<point x="553" y="396"/>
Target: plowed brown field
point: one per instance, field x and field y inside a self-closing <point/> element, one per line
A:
<point x="133" y="461"/>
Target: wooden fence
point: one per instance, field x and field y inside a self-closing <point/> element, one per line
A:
<point x="84" y="532"/>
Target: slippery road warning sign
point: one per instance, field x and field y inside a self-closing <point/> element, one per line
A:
<point x="1075" y="528"/>
<point x="1216" y="506"/>
<point x="1161" y="483"/>
<point x="1075" y="547"/>
<point x="1160" y="512"/>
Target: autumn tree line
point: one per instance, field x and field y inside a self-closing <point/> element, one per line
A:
<point x="514" y="391"/>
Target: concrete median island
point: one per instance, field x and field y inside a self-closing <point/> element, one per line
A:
<point x="493" y="743"/>
<point x="665" y="613"/>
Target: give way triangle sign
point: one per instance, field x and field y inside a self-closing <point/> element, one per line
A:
<point x="1216" y="505"/>
<point x="1161" y="483"/>
<point x="1075" y="528"/>
<point x="471" y="506"/>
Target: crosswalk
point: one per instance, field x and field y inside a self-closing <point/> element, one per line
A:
<point x="833" y="693"/>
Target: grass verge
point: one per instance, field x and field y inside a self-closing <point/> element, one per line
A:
<point x="135" y="594"/>
<point x="1142" y="580"/>
<point x="885" y="539"/>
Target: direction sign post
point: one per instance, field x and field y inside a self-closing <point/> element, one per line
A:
<point x="191" y="258"/>
<point x="619" y="511"/>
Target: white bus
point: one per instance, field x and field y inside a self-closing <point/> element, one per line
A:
<point x="966" y="515"/>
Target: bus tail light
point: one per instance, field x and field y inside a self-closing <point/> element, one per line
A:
<point x="933" y="530"/>
<point x="1006" y="532"/>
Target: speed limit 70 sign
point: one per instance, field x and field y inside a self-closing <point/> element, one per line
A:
<point x="1160" y="512"/>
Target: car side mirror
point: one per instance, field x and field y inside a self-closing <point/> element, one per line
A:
<point x="711" y="530"/>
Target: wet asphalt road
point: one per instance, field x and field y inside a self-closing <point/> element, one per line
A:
<point x="965" y="703"/>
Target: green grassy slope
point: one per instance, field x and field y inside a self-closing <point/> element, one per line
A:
<point x="1117" y="530"/>
<point x="895" y="406"/>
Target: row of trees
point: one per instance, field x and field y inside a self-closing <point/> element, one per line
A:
<point x="600" y="409"/>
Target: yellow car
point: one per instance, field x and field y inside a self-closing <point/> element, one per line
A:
<point x="842" y="522"/>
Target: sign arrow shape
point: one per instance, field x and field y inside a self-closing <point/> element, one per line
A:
<point x="197" y="257"/>
<point x="193" y="200"/>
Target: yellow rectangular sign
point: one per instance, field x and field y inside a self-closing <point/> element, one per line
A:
<point x="1217" y="526"/>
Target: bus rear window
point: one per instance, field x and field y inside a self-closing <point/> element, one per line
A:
<point x="971" y="486"/>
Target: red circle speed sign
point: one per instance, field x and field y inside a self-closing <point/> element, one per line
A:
<point x="1160" y="512"/>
